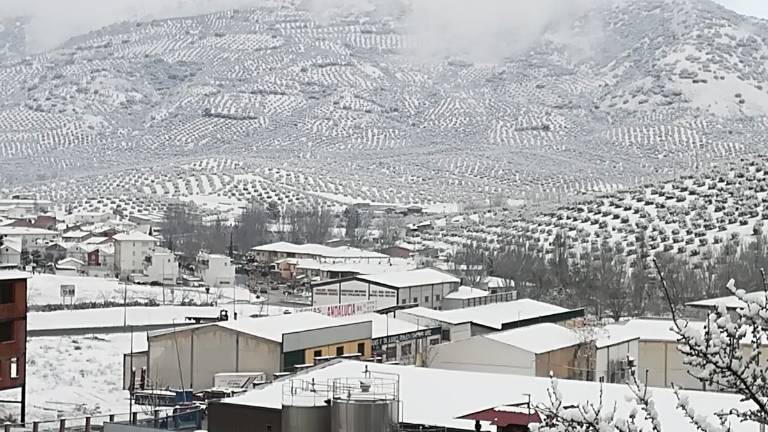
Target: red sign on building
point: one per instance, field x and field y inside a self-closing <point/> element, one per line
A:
<point x="13" y="331"/>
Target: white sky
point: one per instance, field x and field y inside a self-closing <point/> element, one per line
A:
<point x="54" y="21"/>
<point x="758" y="8"/>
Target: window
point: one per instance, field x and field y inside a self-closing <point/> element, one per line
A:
<point x="434" y="341"/>
<point x="6" y="292"/>
<point x="445" y="334"/>
<point x="406" y="349"/>
<point x="339" y="351"/>
<point x="391" y="353"/>
<point x="361" y="348"/>
<point x="317" y="353"/>
<point x="6" y="331"/>
<point x="415" y="300"/>
<point x="426" y="299"/>
<point x="404" y="300"/>
<point x="437" y="297"/>
<point x="14" y="368"/>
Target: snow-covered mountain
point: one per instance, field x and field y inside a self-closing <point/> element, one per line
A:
<point x="276" y="104"/>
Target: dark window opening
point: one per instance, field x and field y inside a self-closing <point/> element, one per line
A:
<point x="317" y="353"/>
<point x="339" y="351"/>
<point x="445" y="335"/>
<point x="391" y="352"/>
<point x="6" y="331"/>
<point x="361" y="348"/>
<point x="426" y="299"/>
<point x="6" y="292"/>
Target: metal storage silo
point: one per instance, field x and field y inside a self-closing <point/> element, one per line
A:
<point x="306" y="407"/>
<point x="368" y="404"/>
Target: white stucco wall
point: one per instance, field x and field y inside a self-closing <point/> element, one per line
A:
<point x="480" y="354"/>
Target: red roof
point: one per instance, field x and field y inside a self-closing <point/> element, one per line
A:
<point x="503" y="418"/>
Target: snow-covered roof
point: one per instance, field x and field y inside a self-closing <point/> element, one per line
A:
<point x="383" y="325"/>
<point x="13" y="275"/>
<point x="497" y="282"/>
<point x="364" y="268"/>
<point x="493" y="315"/>
<point x="730" y="302"/>
<point x="651" y="330"/>
<point x="134" y="236"/>
<point x="107" y="249"/>
<point x="12" y="243"/>
<point x="75" y="234"/>
<point x="95" y="240"/>
<point x="318" y="250"/>
<point x="538" y="338"/>
<point x="22" y="231"/>
<point x="66" y="261"/>
<point x="437" y="397"/>
<point x="411" y="278"/>
<point x="645" y="329"/>
<point x="466" y="292"/>
<point x="274" y="327"/>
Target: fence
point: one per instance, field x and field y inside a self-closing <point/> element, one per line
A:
<point x="79" y="424"/>
<point x="489" y="299"/>
<point x="179" y="421"/>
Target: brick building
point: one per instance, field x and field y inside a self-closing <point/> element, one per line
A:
<point x="13" y="331"/>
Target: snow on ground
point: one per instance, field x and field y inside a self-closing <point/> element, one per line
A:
<point x="45" y="289"/>
<point x="137" y="315"/>
<point x="74" y="376"/>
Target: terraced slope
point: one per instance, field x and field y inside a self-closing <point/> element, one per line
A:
<point x="271" y="104"/>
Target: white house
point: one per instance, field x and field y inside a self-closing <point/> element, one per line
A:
<point x="23" y="208"/>
<point x="131" y="250"/>
<point x="10" y="252"/>
<point x="72" y="265"/>
<point x="215" y="270"/>
<point x="163" y="268"/>
<point x="31" y="238"/>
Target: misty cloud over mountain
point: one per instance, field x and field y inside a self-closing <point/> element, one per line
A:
<point x="481" y="30"/>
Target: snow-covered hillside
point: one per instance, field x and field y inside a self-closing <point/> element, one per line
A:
<point x="272" y="104"/>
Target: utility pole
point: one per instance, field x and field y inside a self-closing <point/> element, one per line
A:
<point x="132" y="376"/>
<point x="125" y="304"/>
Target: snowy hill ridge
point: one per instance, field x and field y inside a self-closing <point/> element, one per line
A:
<point x="275" y="104"/>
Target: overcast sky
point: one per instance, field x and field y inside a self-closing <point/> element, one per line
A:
<point x="757" y="8"/>
<point x="54" y="21"/>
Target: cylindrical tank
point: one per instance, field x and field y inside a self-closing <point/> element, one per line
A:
<point x="306" y="418"/>
<point x="364" y="415"/>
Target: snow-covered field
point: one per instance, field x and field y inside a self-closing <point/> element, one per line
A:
<point x="74" y="376"/>
<point x="45" y="289"/>
<point x="138" y="315"/>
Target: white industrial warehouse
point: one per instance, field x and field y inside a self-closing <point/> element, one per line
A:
<point x="423" y="287"/>
<point x="471" y="321"/>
